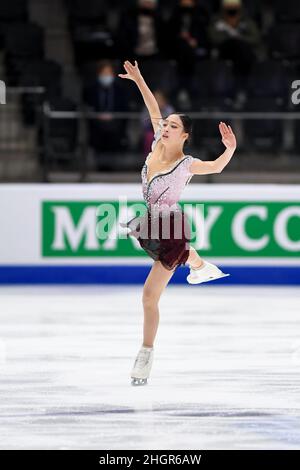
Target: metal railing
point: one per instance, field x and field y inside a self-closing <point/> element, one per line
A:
<point x="201" y="142"/>
<point x="53" y="140"/>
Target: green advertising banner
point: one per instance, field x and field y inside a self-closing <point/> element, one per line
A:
<point x="265" y="229"/>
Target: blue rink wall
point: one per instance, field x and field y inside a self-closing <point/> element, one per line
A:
<point x="122" y="274"/>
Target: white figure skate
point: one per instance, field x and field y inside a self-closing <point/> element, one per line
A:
<point x="209" y="272"/>
<point x="142" y="366"/>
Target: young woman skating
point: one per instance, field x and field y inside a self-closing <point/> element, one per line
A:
<point x="166" y="172"/>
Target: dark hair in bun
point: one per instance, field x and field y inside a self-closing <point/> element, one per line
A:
<point x="187" y="124"/>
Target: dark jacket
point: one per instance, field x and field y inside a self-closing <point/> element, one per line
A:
<point x="106" y="99"/>
<point x="194" y="20"/>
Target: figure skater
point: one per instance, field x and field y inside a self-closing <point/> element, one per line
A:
<point x="166" y="172"/>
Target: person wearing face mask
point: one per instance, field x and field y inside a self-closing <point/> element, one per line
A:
<point x="236" y="37"/>
<point x="105" y="95"/>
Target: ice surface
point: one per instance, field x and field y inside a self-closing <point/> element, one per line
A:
<point x="226" y="370"/>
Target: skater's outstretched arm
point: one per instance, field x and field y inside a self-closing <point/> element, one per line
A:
<point x="133" y="73"/>
<point x="200" y="167"/>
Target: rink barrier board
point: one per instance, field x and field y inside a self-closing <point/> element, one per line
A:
<point x="123" y="274"/>
<point x="30" y="215"/>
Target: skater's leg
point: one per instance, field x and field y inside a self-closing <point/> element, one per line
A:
<point x="156" y="281"/>
<point x="194" y="260"/>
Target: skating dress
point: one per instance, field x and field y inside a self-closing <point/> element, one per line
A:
<point x="164" y="230"/>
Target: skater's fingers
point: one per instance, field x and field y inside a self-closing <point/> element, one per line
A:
<point x="129" y="65"/>
<point x="221" y="127"/>
<point x="224" y="127"/>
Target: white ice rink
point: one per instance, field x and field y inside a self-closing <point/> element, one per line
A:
<point x="226" y="370"/>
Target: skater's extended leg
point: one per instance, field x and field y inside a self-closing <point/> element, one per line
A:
<point x="156" y="281"/>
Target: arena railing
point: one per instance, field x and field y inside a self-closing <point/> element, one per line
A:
<point x="235" y="118"/>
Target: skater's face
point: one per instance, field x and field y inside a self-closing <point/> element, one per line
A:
<point x="173" y="132"/>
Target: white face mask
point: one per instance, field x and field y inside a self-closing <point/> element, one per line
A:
<point x="106" y="80"/>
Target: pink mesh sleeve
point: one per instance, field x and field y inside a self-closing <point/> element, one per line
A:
<point x="188" y="165"/>
<point x="157" y="135"/>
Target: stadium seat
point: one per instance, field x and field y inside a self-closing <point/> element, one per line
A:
<point x="13" y="10"/>
<point x="91" y="36"/>
<point x="58" y="138"/>
<point x="268" y="79"/>
<point x="287" y="10"/>
<point x="214" y="85"/>
<point x="23" y="43"/>
<point x="160" y="73"/>
<point x="284" y="40"/>
<point x="87" y="12"/>
<point x="297" y="137"/>
<point x="264" y="134"/>
<point x="47" y="74"/>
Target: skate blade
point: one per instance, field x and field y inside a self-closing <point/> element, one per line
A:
<point x="137" y="382"/>
<point x="207" y="279"/>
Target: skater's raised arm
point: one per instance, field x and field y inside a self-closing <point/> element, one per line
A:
<point x="133" y="73"/>
<point x="200" y="167"/>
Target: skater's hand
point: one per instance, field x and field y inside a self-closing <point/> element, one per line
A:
<point x="228" y="137"/>
<point x="133" y="72"/>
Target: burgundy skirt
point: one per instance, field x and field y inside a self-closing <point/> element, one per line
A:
<point x="164" y="236"/>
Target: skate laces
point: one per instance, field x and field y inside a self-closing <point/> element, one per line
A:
<point x="142" y="358"/>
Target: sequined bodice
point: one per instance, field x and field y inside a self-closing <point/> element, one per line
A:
<point x="165" y="188"/>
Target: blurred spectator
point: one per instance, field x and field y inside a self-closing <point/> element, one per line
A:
<point x="188" y="28"/>
<point x="106" y="95"/>
<point x="187" y="40"/>
<point x="140" y="31"/>
<point x="165" y="108"/>
<point x="236" y="36"/>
